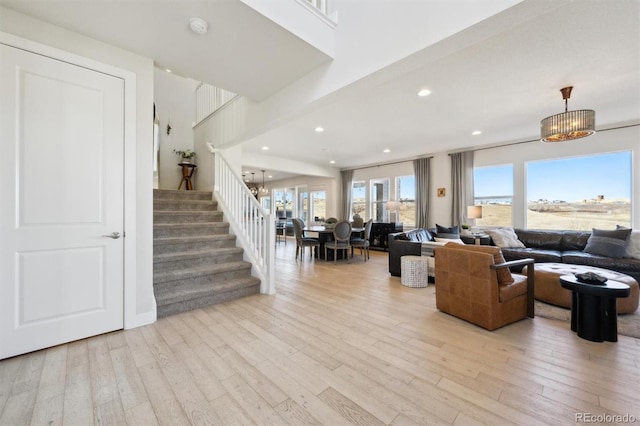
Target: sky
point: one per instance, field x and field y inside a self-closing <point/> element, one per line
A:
<point x="567" y="179"/>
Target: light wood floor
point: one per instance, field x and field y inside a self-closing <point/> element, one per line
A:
<point x="339" y="344"/>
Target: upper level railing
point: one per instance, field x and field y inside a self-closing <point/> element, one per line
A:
<point x="209" y="99"/>
<point x="321" y="5"/>
<point x="252" y="224"/>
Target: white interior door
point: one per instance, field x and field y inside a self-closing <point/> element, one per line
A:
<point x="61" y="192"/>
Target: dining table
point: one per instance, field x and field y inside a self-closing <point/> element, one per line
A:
<point x="324" y="235"/>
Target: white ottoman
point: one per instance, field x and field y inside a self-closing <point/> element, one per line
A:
<point x="414" y="271"/>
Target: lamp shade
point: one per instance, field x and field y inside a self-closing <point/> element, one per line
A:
<point x="568" y="125"/>
<point x="474" y="212"/>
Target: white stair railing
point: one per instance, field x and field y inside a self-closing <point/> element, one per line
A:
<point x="209" y="99"/>
<point x="252" y="224"/>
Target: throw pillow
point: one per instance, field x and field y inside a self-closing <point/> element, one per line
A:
<point x="610" y="243"/>
<point x="633" y="245"/>
<point x="502" y="274"/>
<point x="505" y="237"/>
<point x="444" y="232"/>
<point x="449" y="240"/>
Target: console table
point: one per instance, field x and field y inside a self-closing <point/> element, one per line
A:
<point x="380" y="232"/>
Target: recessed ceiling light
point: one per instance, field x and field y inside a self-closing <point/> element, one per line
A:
<point x="319" y="129"/>
<point x="198" y="25"/>
<point x="168" y="70"/>
<point x="386" y="151"/>
<point x="332" y="162"/>
<point x="265" y="148"/>
<point x="476" y="132"/>
<point x="270" y="176"/>
<point x="424" y="92"/>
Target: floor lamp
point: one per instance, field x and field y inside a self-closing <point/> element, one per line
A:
<point x="473" y="213"/>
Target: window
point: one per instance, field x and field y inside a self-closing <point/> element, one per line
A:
<point x="278" y="199"/>
<point x="493" y="190"/>
<point x="358" y="197"/>
<point x="379" y="198"/>
<point x="266" y="202"/>
<point x="318" y="205"/>
<point x="406" y="195"/>
<point x="580" y="193"/>
<point x="289" y="197"/>
<point x="303" y="205"/>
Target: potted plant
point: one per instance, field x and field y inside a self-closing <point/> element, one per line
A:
<point x="187" y="155"/>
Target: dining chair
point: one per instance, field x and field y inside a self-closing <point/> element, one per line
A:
<point x="363" y="242"/>
<point x="302" y="241"/>
<point x="357" y="222"/>
<point x="341" y="237"/>
<point x="281" y="231"/>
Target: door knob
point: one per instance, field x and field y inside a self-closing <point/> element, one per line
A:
<point x="114" y="235"/>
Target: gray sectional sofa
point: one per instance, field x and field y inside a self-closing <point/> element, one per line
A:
<point x="541" y="245"/>
<point x="566" y="247"/>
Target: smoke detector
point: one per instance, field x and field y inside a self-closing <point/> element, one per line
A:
<point x="198" y="25"/>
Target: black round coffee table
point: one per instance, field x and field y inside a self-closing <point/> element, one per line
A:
<point x="594" y="314"/>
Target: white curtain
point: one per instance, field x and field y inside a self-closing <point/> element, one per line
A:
<point x="461" y="186"/>
<point x="347" y="183"/>
<point x="422" y="170"/>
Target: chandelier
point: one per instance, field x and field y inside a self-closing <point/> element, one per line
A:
<point x="263" y="190"/>
<point x="568" y="125"/>
<point x="253" y="188"/>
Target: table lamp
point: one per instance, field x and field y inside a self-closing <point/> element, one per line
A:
<point x="473" y="213"/>
<point x="392" y="208"/>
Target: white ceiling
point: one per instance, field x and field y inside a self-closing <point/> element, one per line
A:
<point x="502" y="86"/>
<point x="243" y="51"/>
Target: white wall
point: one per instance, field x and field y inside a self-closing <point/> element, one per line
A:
<point x="138" y="166"/>
<point x="175" y="101"/>
<point x="370" y="36"/>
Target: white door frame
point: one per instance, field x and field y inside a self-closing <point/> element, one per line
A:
<point x="131" y="318"/>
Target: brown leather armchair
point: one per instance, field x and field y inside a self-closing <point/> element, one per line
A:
<point x="474" y="283"/>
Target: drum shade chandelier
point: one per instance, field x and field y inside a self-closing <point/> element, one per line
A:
<point x="568" y="125"/>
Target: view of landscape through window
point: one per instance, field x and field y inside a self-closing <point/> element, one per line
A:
<point x="406" y="193"/>
<point x="576" y="193"/>
<point x="493" y="190"/>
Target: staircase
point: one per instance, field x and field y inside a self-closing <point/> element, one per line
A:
<point x="195" y="260"/>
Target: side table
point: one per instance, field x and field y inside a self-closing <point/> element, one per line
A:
<point x="414" y="271"/>
<point x="594" y="314"/>
<point x="479" y="240"/>
<point x="187" y="173"/>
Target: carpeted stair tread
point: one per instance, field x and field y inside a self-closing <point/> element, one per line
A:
<point x="202" y="301"/>
<point x="163" y="194"/>
<point x="192" y="239"/>
<point x="186" y="213"/>
<point x="186" y="293"/>
<point x="163" y="230"/>
<point x="184" y="205"/>
<point x="194" y="272"/>
<point x="194" y="254"/>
